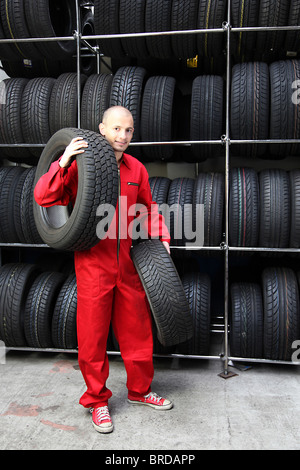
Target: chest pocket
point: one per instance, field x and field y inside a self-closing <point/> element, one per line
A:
<point x="130" y="189"/>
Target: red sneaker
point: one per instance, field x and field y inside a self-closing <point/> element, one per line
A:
<point x="101" y="419"/>
<point x="153" y="400"/>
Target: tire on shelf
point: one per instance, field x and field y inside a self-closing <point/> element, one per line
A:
<point x="159" y="186"/>
<point x="158" y="116"/>
<point x="272" y="13"/>
<point x="179" y="216"/>
<point x="244" y="14"/>
<point x="292" y="40"/>
<point x="15" y="282"/>
<point x="206" y="115"/>
<point x="23" y="209"/>
<point x="11" y="91"/>
<point x="95" y="100"/>
<point x="106" y="17"/>
<point x="10" y="177"/>
<point x="250" y="107"/>
<point x="243" y="207"/>
<point x="197" y="287"/>
<point x="35" y="112"/>
<point x="14" y="26"/>
<point x="274" y="226"/>
<point x="63" y="105"/>
<point x="246" y="328"/>
<point x="184" y="16"/>
<point x="281" y="312"/>
<point x="39" y="309"/>
<point x="284" y="107"/>
<point x="211" y="15"/>
<point x="97" y="184"/>
<point x="209" y="191"/>
<point x="158" y="18"/>
<point x="164" y="291"/>
<point x="295" y="208"/>
<point x="132" y="20"/>
<point x="48" y="18"/>
<point x="64" y="332"/>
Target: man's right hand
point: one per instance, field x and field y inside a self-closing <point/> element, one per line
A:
<point x="75" y="147"/>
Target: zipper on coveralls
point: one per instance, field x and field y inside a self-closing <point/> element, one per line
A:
<point x="119" y="214"/>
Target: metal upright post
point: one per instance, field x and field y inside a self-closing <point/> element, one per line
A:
<point x="77" y="36"/>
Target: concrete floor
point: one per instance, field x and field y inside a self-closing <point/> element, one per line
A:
<point x="257" y="409"/>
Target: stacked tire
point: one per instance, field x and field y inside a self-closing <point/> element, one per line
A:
<point x="265" y="318"/>
<point x="193" y="208"/>
<point x="38" y="309"/>
<point x="264" y="208"/>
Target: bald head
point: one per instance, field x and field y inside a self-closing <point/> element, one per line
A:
<point x="114" y="112"/>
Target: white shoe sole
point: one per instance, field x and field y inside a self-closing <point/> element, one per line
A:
<point x="156" y="407"/>
<point x="103" y="429"/>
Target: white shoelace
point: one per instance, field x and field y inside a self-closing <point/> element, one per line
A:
<point x="154" y="396"/>
<point x="102" y="413"/>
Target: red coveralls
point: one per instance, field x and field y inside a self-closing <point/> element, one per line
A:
<point x="108" y="286"/>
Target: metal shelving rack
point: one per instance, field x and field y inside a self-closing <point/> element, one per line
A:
<point x="225" y="140"/>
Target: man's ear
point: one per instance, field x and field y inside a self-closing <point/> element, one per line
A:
<point x="102" y="129"/>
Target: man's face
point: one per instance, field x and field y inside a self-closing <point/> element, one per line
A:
<point x="118" y="131"/>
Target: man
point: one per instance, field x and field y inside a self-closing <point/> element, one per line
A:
<point x="108" y="286"/>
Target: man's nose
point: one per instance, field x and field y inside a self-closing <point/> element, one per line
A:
<point x="122" y="134"/>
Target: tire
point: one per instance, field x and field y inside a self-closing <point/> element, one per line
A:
<point x="158" y="116"/>
<point x="106" y="17"/>
<point x="132" y="20"/>
<point x="64" y="327"/>
<point x="39" y="308"/>
<point x="243" y="207"/>
<point x="209" y="191"/>
<point x="97" y="184"/>
<point x="272" y="13"/>
<point x="292" y="41"/>
<point x="126" y="90"/>
<point x="15" y="282"/>
<point x="281" y="312"/>
<point x="180" y="206"/>
<point x="284" y="108"/>
<point x="295" y="208"/>
<point x="246" y="329"/>
<point x="197" y="289"/>
<point x="159" y="186"/>
<point x="10" y="118"/>
<point x="250" y="107"/>
<point x="7" y="51"/>
<point x="63" y="107"/>
<point x="158" y="18"/>
<point x="35" y="112"/>
<point x="244" y="14"/>
<point x="15" y="27"/>
<point x="95" y="100"/>
<point x="164" y="291"/>
<point x="210" y="15"/>
<point x="206" y="115"/>
<point x="274" y="227"/>
<point x="184" y="16"/>
<point x="48" y="18"/>
<point x="8" y="230"/>
<point x="23" y="209"/>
